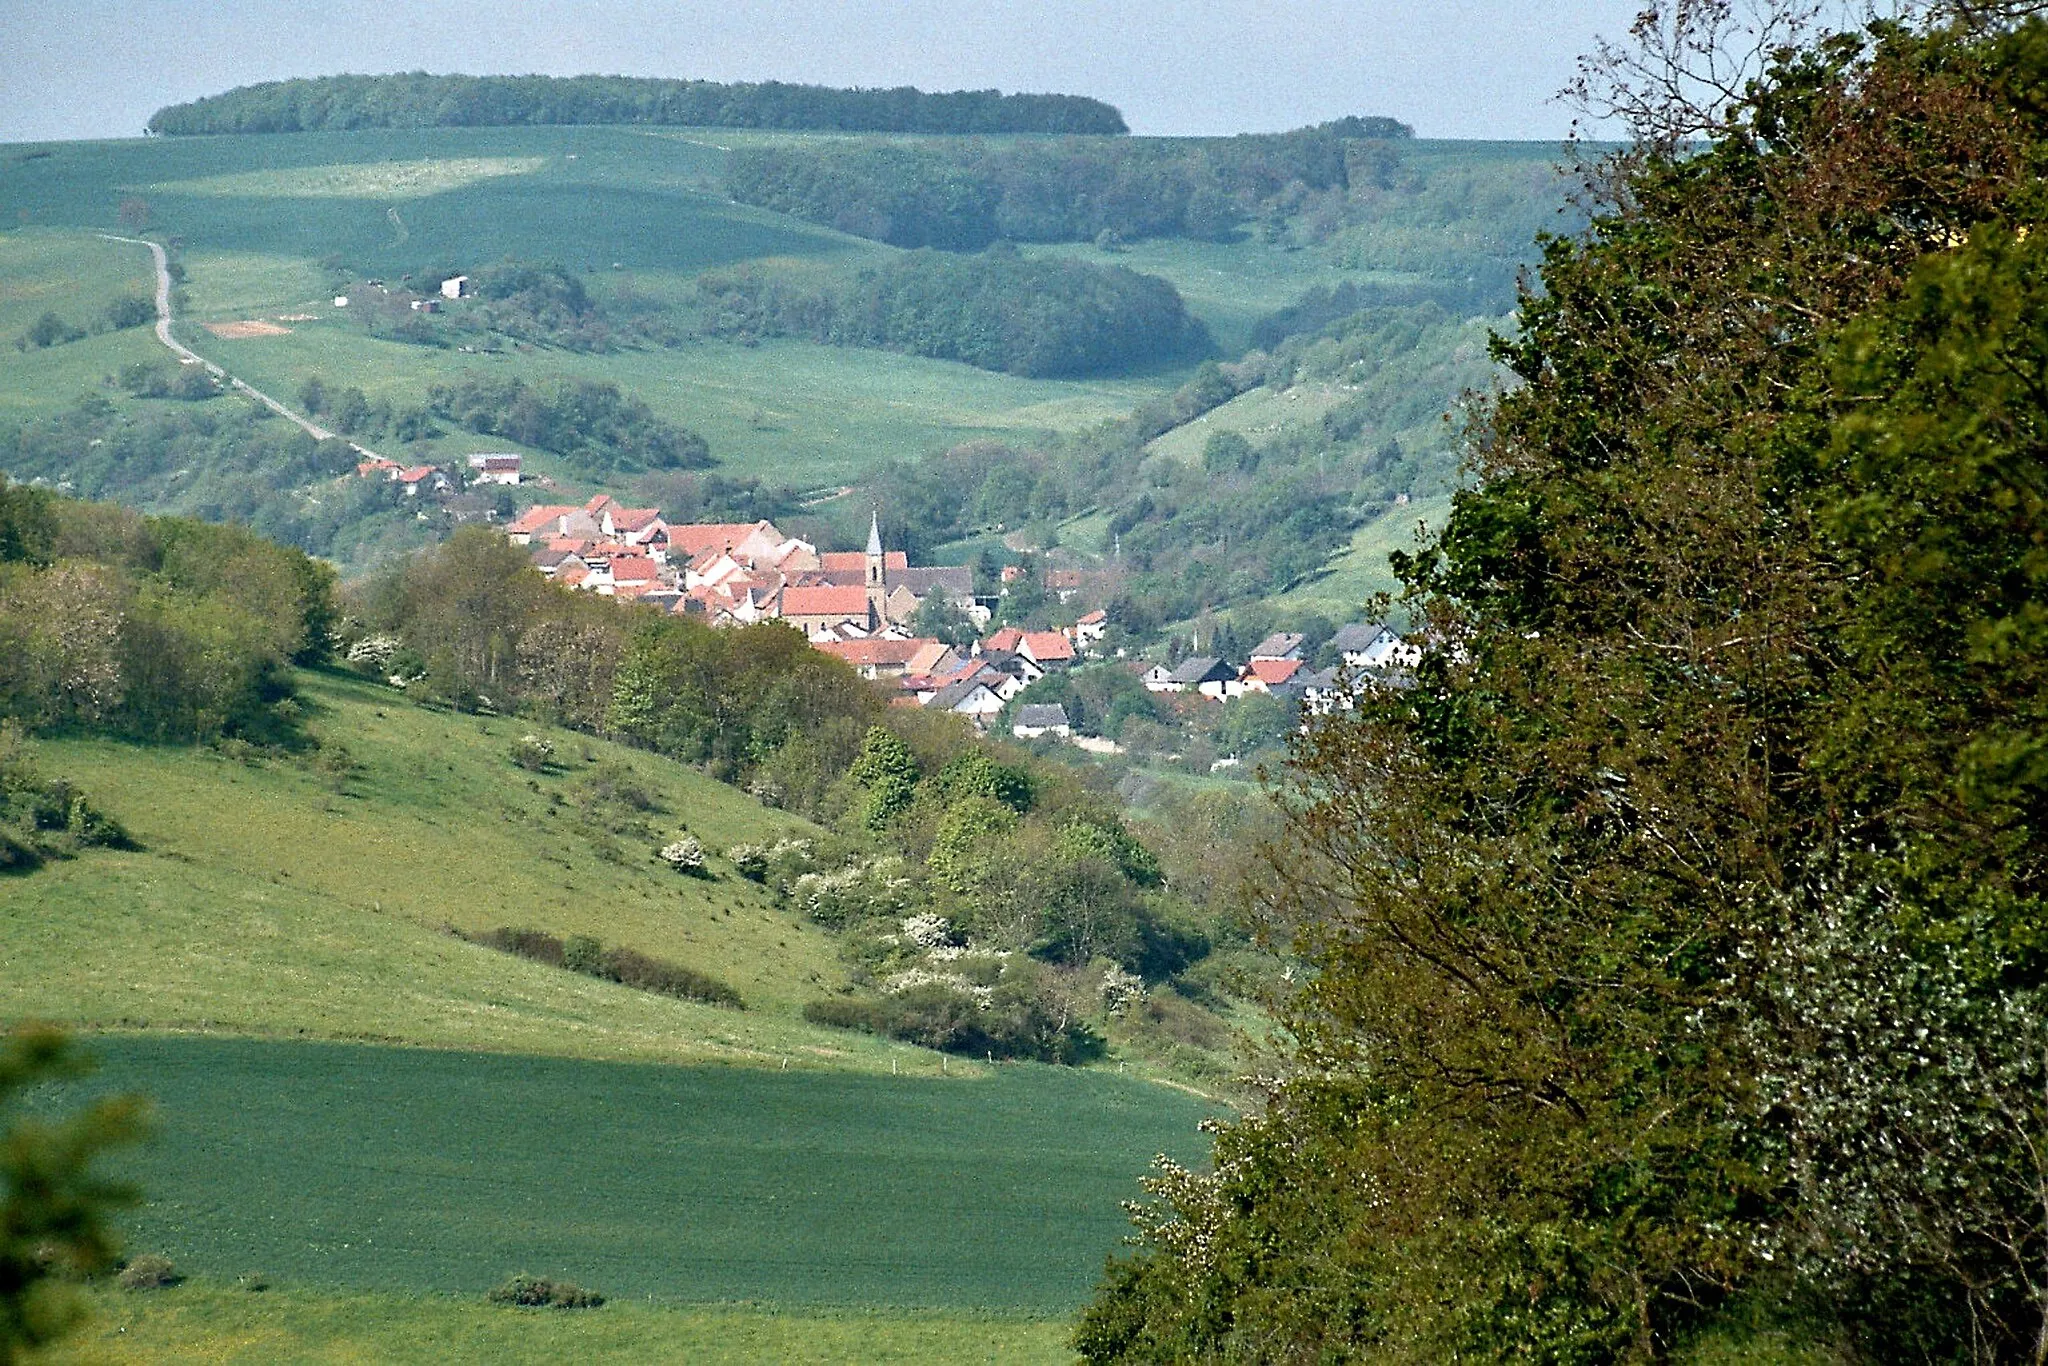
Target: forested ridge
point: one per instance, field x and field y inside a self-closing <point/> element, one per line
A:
<point x="1675" y="946"/>
<point x="965" y="196"/>
<point x="418" y="99"/>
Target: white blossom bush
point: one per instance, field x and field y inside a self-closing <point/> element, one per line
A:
<point x="685" y="855"/>
<point x="749" y="860"/>
<point x="928" y="931"/>
<point x="373" y="653"/>
<point x="533" y="753"/>
<point x="859" y="891"/>
<point x="1120" y="989"/>
<point x="911" y="978"/>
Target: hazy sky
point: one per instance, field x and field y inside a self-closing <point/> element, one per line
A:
<point x="1453" y="68"/>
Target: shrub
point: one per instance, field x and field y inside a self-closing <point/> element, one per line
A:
<point x="750" y="861"/>
<point x="583" y="954"/>
<point x="149" y="1272"/>
<point x="533" y="754"/>
<point x="537" y="945"/>
<point x="685" y="855"/>
<point x="630" y="968"/>
<point x="538" y="1292"/>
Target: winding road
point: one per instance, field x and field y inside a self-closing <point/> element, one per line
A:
<point x="191" y="357"/>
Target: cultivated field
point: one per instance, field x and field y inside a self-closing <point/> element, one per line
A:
<point x="338" y="1166"/>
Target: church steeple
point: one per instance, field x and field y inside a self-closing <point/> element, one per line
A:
<point x="878" y="578"/>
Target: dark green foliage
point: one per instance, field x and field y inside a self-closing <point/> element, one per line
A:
<point x="49" y="330"/>
<point x="43" y="818"/>
<point x="995" y="311"/>
<point x="130" y="310"/>
<point x="537" y="1292"/>
<point x="887" y="771"/>
<point x="158" y="629"/>
<point x="193" y="383"/>
<point x="419" y="100"/>
<point x="1018" y="1020"/>
<point x="588" y="421"/>
<point x="1074" y="190"/>
<point x="627" y="967"/>
<point x="1680" y="941"/>
<point x="56" y="1211"/>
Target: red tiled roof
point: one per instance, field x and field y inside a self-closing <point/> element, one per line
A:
<point x="1274" y="672"/>
<point x="1097" y="615"/>
<point x="693" y="538"/>
<point x="825" y="601"/>
<point x="1046" y="645"/>
<point x="635" y="569"/>
<point x="873" y="651"/>
<point x="856" y="561"/>
<point x="536" y="517"/>
<point x="1009" y="638"/>
<point x="416" y="473"/>
<point x="634" y="519"/>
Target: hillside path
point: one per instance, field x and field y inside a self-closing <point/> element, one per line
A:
<point x="186" y="353"/>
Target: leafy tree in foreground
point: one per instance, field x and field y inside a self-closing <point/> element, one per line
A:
<point x="53" y="1207"/>
<point x="1678" y="942"/>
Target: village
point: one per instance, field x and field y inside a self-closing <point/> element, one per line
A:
<point x="865" y="607"/>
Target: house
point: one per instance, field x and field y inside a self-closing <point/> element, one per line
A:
<point x="1004" y="641"/>
<point x="378" y="467"/>
<point x="1090" y="629"/>
<point x="1374" y="645"/>
<point x="970" y="698"/>
<point x="936" y="657"/>
<point x="1265" y="674"/>
<point x="879" y="656"/>
<point x="820" y="608"/>
<point x="424" y="479"/>
<point x="1036" y="719"/>
<point x="1047" y="649"/>
<point x="1158" y="678"/>
<point x="1279" y="645"/>
<point x="549" y="522"/>
<point x="1204" y="674"/>
<point x="631" y="575"/>
<point x="494" y="467"/>
<point x="455" y="287"/>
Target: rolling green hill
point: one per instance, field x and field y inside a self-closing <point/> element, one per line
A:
<point x="274" y="899"/>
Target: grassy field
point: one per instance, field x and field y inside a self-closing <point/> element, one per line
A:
<point x="364" y="1168"/>
<point x="222" y="1324"/>
<point x="74" y="275"/>
<point x="1257" y="415"/>
<point x="268" y="899"/>
<point x="1360" y="570"/>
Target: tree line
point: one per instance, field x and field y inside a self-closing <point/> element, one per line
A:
<point x="418" y="99"/>
<point x="995" y="310"/>
<point x="591" y="422"/>
<point x="153" y="628"/>
<point x="964" y="196"/>
<point x="1675" y="957"/>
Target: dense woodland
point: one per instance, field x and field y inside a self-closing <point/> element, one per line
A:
<point x="1675" y="946"/>
<point x="995" y="310"/>
<point x="420" y="100"/>
<point x="592" y="422"/>
<point x="158" y="629"/>
<point x="963" y="197"/>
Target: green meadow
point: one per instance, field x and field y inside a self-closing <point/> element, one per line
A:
<point x="271" y="898"/>
<point x="360" y="1168"/>
<point x="288" y="1326"/>
<point x="1360" y="570"/>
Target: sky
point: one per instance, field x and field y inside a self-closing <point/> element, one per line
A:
<point x="1451" y="68"/>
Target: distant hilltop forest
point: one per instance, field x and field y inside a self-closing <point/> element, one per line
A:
<point x="420" y="100"/>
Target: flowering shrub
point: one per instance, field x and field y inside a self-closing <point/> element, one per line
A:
<point x="373" y="654"/>
<point x="533" y="754"/>
<point x="928" y="931"/>
<point x="1121" y="989"/>
<point x="859" y="891"/>
<point x="750" y="861"/>
<point x="685" y="855"/>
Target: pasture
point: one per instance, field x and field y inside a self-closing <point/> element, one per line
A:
<point x="364" y="1168"/>
<point x="74" y="275"/>
<point x="270" y="897"/>
<point x="1360" y="570"/>
<point x="290" y="1326"/>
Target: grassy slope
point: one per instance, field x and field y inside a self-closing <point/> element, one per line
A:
<point x="289" y="1327"/>
<point x="1360" y="570"/>
<point x="353" y="1167"/>
<point x="74" y="275"/>
<point x="265" y="901"/>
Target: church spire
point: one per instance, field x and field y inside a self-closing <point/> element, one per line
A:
<point x="875" y="532"/>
